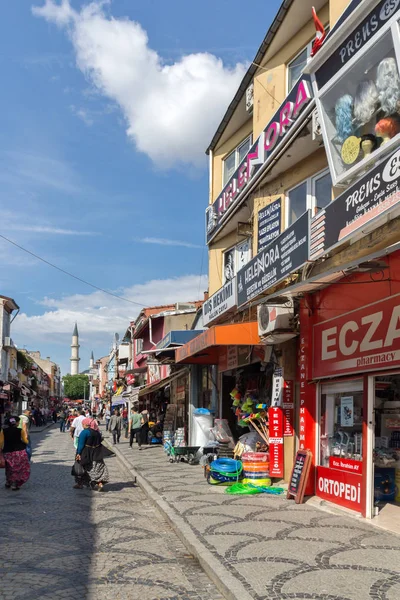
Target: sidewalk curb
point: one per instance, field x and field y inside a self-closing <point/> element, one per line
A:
<point x="41" y="429"/>
<point x="230" y="587"/>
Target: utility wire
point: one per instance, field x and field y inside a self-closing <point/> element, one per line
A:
<point x="70" y="274"/>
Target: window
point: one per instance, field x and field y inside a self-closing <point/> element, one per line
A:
<point x="296" y="66"/>
<point x="233" y="160"/>
<point x="139" y="346"/>
<point x="235" y="258"/>
<point x="341" y="423"/>
<point x="360" y="109"/>
<point x="314" y="194"/>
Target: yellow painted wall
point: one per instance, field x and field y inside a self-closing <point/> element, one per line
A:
<point x="336" y="8"/>
<point x="222" y="151"/>
<point x="278" y="187"/>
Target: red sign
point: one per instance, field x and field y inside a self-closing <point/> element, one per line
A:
<point x="365" y="339"/>
<point x="346" y="464"/>
<point x="130" y="379"/>
<point x="275" y="417"/>
<point x="288" y="407"/>
<point x="339" y="487"/>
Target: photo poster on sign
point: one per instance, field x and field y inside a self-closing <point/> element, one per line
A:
<point x="269" y="224"/>
<point x="299" y="476"/>
<point x="347" y="411"/>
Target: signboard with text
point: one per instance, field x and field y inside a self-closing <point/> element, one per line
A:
<point x="220" y="302"/>
<point x="263" y="148"/>
<point x="340" y="487"/>
<point x="275" y="418"/>
<point x="279" y="259"/>
<point x="375" y="194"/>
<point x="269" y="224"/>
<point x="366" y="339"/>
<point x="288" y="407"/>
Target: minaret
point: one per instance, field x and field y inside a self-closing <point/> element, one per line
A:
<point x="91" y="364"/>
<point x="75" y="352"/>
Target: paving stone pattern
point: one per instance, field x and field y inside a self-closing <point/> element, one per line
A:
<point x="275" y="548"/>
<point x="61" y="543"/>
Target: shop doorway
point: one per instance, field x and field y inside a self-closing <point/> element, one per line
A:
<point x="386" y="450"/>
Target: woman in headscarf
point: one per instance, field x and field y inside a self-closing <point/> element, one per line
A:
<point x="13" y="442"/>
<point x="91" y="454"/>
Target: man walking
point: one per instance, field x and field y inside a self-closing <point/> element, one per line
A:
<point x="63" y="417"/>
<point x="107" y="417"/>
<point x="116" y="426"/>
<point x="135" y="422"/>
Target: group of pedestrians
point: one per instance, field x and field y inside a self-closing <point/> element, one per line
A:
<point x="89" y="469"/>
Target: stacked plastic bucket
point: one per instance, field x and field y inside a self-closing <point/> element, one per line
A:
<point x="256" y="469"/>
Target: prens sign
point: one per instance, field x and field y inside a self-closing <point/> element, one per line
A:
<point x="366" y="339"/>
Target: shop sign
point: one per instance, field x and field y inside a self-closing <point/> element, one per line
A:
<point x="180" y="392"/>
<point x="339" y="487"/>
<point x="277" y="387"/>
<point x="269" y="224"/>
<point x="362" y="340"/>
<point x="271" y="139"/>
<point x="201" y="342"/>
<point x="363" y="33"/>
<point x="275" y="418"/>
<point x="372" y="196"/>
<point x="346" y="464"/>
<point x="220" y="302"/>
<point x="288" y="407"/>
<point x="282" y="257"/>
<point x="232" y="357"/>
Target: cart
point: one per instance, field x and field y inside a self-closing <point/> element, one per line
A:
<point x="183" y="454"/>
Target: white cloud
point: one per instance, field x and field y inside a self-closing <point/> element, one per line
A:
<point x="166" y="242"/>
<point x="99" y="315"/>
<point x="83" y="114"/>
<point x="171" y="110"/>
<point x="12" y="221"/>
<point x="50" y="230"/>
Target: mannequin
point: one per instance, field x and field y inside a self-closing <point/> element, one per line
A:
<point x="365" y="101"/>
<point x="387" y="129"/>
<point x="368" y="144"/>
<point x="388" y="85"/>
<point x="344" y="117"/>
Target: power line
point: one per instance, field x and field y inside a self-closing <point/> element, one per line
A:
<point x="70" y="274"/>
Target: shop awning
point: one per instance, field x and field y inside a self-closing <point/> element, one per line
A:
<point x="160" y="384"/>
<point x="204" y="349"/>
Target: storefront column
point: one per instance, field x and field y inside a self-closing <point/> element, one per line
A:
<point x="308" y="405"/>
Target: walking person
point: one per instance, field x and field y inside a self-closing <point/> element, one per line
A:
<point x="13" y="442"/>
<point x="144" y="430"/>
<point x="135" y="423"/>
<point x="54" y="416"/>
<point x="25" y="425"/>
<point x="107" y="415"/>
<point x="90" y="454"/>
<point x="63" y="418"/>
<point x="125" y="421"/>
<point x="115" y="426"/>
<point x="76" y="427"/>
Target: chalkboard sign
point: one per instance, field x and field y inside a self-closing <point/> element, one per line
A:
<point x="298" y="479"/>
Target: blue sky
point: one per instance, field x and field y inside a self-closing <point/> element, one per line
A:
<point x="106" y="112"/>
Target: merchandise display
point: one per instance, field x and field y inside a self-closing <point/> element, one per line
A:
<point x="344" y="117"/>
<point x="388" y="85"/>
<point x="368" y="143"/>
<point x="387" y="129"/>
<point x="365" y="102"/>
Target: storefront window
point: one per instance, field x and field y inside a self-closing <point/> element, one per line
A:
<point x="361" y="109"/>
<point x="341" y="423"/>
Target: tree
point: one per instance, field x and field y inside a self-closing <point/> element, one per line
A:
<point x="76" y="387"/>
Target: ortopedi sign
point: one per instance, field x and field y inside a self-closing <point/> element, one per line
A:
<point x="270" y="139"/>
<point x="375" y="194"/>
<point x="280" y="258"/>
<point x="220" y="302"/>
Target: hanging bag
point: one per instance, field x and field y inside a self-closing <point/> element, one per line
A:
<point x="2" y="461"/>
<point x="77" y="469"/>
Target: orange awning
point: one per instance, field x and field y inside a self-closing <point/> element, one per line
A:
<point x="204" y="349"/>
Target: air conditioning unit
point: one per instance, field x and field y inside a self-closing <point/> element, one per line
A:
<point x="250" y="98"/>
<point x="316" y="126"/>
<point x="276" y="323"/>
<point x="8" y="343"/>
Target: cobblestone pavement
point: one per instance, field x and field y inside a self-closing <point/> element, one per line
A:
<point x="275" y="548"/>
<point x="61" y="543"/>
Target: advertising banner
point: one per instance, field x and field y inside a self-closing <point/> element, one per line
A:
<point x="275" y="417"/>
<point x="375" y="194"/>
<point x="220" y="302"/>
<point x="288" y="407"/>
<point x="262" y="149"/>
<point x="366" y="339"/>
<point x="279" y="259"/>
<point x="269" y="224"/>
<point x="339" y="487"/>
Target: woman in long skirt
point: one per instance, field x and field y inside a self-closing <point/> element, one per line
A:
<point x="13" y="442"/>
<point x="91" y="454"/>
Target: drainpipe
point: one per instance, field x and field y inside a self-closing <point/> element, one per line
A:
<point x="151" y="332"/>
